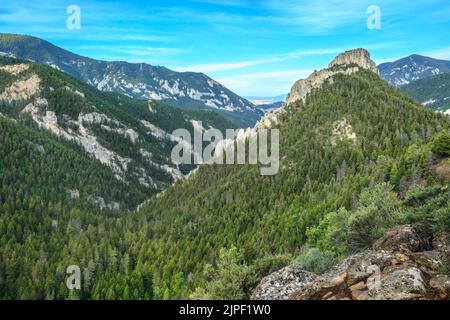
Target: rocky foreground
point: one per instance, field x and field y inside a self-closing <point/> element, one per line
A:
<point x="402" y="265"/>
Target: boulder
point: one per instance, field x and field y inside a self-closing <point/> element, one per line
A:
<point x="403" y="238"/>
<point x="441" y="239"/>
<point x="441" y="283"/>
<point x="394" y="270"/>
<point x="401" y="283"/>
<point x="281" y="284"/>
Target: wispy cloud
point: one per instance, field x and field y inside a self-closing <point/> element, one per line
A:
<point x="249" y="63"/>
<point x="443" y="53"/>
<point x="264" y="83"/>
<point x="218" y="67"/>
<point x="136" y="52"/>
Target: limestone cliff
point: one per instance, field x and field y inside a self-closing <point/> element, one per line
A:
<point x="360" y="58"/>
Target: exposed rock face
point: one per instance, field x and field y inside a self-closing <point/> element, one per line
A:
<point x="403" y="239"/>
<point x="361" y="57"/>
<point x="281" y="284"/>
<point x="442" y="168"/>
<point x="304" y="86"/>
<point x="15" y="69"/>
<point x="21" y="90"/>
<point x="342" y="130"/>
<point x="83" y="136"/>
<point x="392" y="271"/>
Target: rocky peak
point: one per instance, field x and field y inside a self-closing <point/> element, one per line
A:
<point x="360" y="57"/>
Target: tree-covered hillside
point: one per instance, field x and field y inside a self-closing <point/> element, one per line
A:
<point x="322" y="171"/>
<point x="357" y="147"/>
<point x="433" y="92"/>
<point x="129" y="138"/>
<point x="186" y="90"/>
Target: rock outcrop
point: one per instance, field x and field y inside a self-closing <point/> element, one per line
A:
<point x="282" y="284"/>
<point x="361" y="57"/>
<point x="396" y="269"/>
<point x="346" y="63"/>
<point x="341" y="64"/>
<point x="402" y="239"/>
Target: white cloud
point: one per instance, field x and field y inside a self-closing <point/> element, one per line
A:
<point x="443" y="53"/>
<point x="264" y="83"/>
<point x="217" y="67"/>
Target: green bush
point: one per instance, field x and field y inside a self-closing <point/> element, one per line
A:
<point x="429" y="208"/>
<point x="346" y="231"/>
<point x="233" y="279"/>
<point x="441" y="144"/>
<point x="316" y="260"/>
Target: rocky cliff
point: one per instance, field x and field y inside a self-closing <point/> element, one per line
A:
<point x="402" y="265"/>
<point x="346" y="63"/>
<point x="358" y="58"/>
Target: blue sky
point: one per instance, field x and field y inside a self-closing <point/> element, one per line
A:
<point x="253" y="47"/>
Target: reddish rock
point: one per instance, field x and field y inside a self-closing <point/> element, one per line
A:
<point x="396" y="270"/>
<point x="401" y="239"/>
<point x="441" y="239"/>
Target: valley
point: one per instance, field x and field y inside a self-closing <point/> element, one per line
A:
<point x="217" y="150"/>
<point x="358" y="158"/>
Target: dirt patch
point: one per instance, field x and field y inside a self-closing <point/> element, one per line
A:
<point x="442" y="168"/>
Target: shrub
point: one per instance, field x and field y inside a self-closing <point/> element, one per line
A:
<point x="233" y="278"/>
<point x="316" y="260"/>
<point x="441" y="144"/>
<point x="346" y="231"/>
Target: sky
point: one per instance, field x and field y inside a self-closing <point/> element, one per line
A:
<point x="255" y="48"/>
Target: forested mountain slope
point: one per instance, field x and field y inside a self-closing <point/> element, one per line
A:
<point x="136" y="80"/>
<point x="353" y="133"/>
<point x="432" y="92"/>
<point x="412" y="68"/>
<point x="129" y="139"/>
<point x="356" y="157"/>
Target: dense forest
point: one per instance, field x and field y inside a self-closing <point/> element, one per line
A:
<point x="215" y="234"/>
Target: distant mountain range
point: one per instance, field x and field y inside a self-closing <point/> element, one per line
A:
<point x="136" y="80"/>
<point x="76" y="130"/>
<point x="412" y="68"/>
<point x="257" y="100"/>
<point x="267" y="104"/>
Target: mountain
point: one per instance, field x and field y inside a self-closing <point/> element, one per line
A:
<point x="357" y="157"/>
<point x="137" y="80"/>
<point x="270" y="106"/>
<point x="266" y="100"/>
<point x="412" y="68"/>
<point x="54" y="114"/>
<point x="432" y="92"/>
<point x="267" y="104"/>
